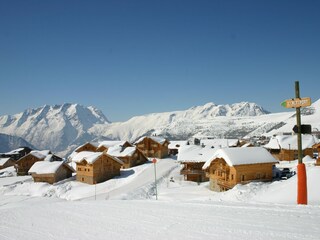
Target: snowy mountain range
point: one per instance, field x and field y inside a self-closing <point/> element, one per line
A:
<point x="61" y="128"/>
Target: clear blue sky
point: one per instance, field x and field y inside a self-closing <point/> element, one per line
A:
<point x="130" y="58"/>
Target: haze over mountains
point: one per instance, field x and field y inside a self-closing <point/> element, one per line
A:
<point x="61" y="128"/>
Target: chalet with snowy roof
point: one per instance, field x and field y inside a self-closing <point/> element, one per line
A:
<point x="231" y="166"/>
<point x="153" y="147"/>
<point x="50" y="172"/>
<point x="285" y="147"/>
<point x="174" y="146"/>
<point x="219" y="143"/>
<point x="193" y="157"/>
<point x="105" y="145"/>
<point x="6" y="162"/>
<point x="316" y="153"/>
<point x="91" y="147"/>
<point x="23" y="165"/>
<point x="130" y="156"/>
<point x="96" y="167"/>
<point x="17" y="153"/>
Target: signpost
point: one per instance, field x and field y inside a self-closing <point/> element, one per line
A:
<point x="154" y="161"/>
<point x="297" y="103"/>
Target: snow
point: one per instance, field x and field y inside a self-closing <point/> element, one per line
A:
<point x="159" y="140"/>
<point x="40" y="154"/>
<point x="241" y="156"/>
<point x="219" y="143"/>
<point x="108" y="144"/>
<point x="195" y="153"/>
<point x="3" y="161"/>
<point x="43" y="167"/>
<point x="177" y="144"/>
<point x="125" y="208"/>
<point x="90" y="157"/>
<point x="118" y="151"/>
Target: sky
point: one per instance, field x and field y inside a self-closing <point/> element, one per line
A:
<point x="129" y="58"/>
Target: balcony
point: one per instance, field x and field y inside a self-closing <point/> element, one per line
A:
<point x="192" y="171"/>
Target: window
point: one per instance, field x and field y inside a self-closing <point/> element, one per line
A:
<point x="258" y="176"/>
<point x="232" y="176"/>
<point x="242" y="178"/>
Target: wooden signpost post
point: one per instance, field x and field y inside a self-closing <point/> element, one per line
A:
<point x="297" y="103"/>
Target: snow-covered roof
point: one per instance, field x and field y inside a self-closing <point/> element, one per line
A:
<point x="48" y="157"/>
<point x="118" y="151"/>
<point x="111" y="143"/>
<point x="90" y="157"/>
<point x="219" y="143"/>
<point x="15" y="151"/>
<point x="291" y="142"/>
<point x="195" y="153"/>
<point x="246" y="145"/>
<point x="3" y="161"/>
<point x="93" y="144"/>
<point x="159" y="140"/>
<point x="177" y="144"/>
<point x="241" y="156"/>
<point x="40" y="154"/>
<point x="44" y="167"/>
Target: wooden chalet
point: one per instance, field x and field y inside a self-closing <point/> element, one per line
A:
<point x="174" y="146"/>
<point x="285" y="147"/>
<point x="91" y="147"/>
<point x="153" y="147"/>
<point x="6" y="162"/>
<point x="193" y="157"/>
<point x="105" y="145"/>
<point x="23" y="165"/>
<point x="96" y="167"/>
<point x="130" y="156"/>
<point x="16" y="154"/>
<point x="50" y="172"/>
<point x="231" y="166"/>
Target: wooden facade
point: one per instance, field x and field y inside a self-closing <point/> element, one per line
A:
<point x="152" y="147"/>
<point x="224" y="177"/>
<point x="192" y="171"/>
<point x="290" y="154"/>
<point x="64" y="171"/>
<point x="23" y="165"/>
<point x="103" y="168"/>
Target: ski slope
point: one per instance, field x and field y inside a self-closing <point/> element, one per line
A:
<point x="125" y="208"/>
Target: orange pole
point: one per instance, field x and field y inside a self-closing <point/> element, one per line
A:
<point x="302" y="196"/>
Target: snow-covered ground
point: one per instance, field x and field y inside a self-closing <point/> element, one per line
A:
<point x="125" y="207"/>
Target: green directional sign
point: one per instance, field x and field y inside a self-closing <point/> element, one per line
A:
<point x="296" y="103"/>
